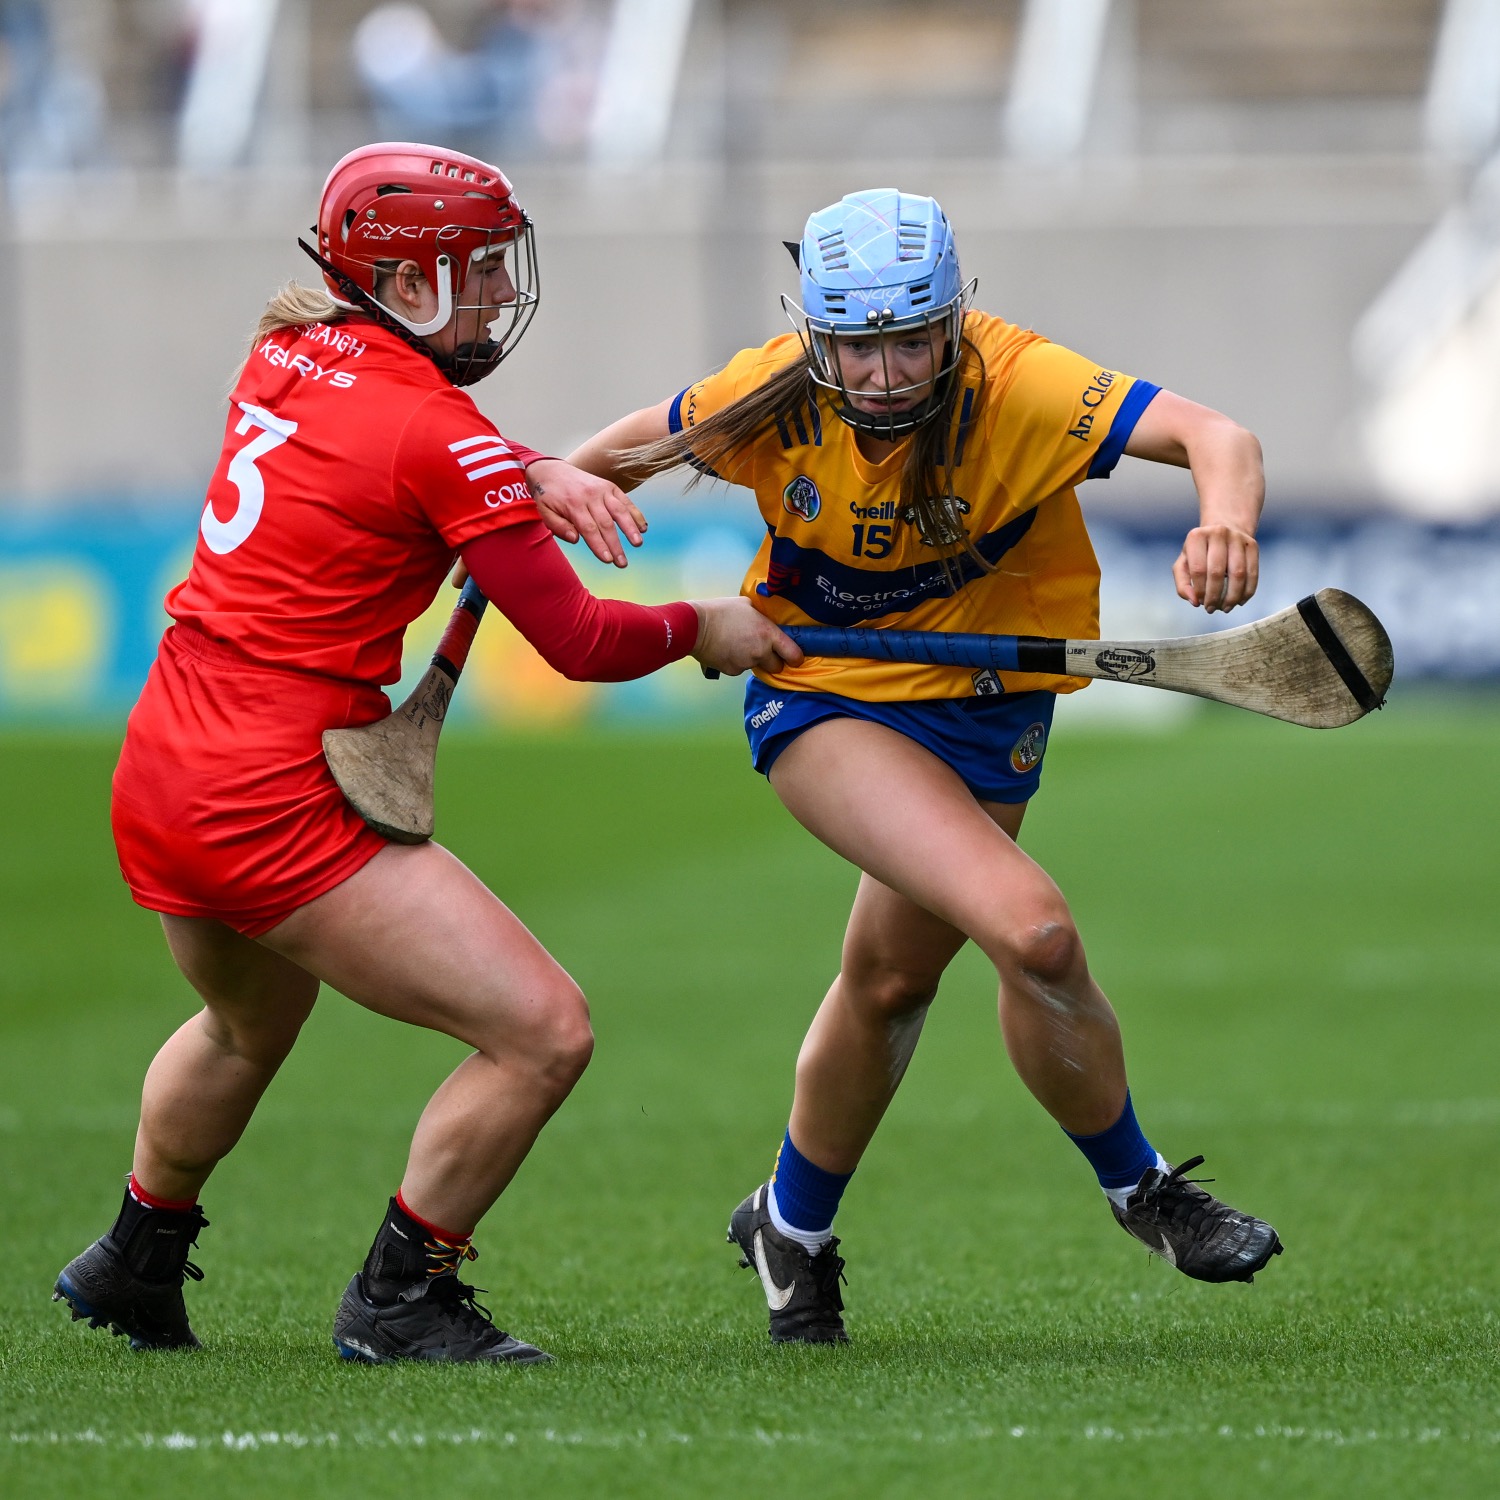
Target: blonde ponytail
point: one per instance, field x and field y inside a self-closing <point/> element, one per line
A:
<point x="293" y="306"/>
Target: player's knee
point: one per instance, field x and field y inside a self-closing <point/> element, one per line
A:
<point x="563" y="1039"/>
<point x="889" y="991"/>
<point x="263" y="1041"/>
<point x="1047" y="951"/>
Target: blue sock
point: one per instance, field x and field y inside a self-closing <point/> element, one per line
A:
<point x="805" y="1196"/>
<point x="1121" y="1155"/>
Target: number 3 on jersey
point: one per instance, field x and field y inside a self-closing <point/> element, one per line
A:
<point x="225" y="536"/>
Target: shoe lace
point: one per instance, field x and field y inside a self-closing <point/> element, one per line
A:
<point x="444" y="1257"/>
<point x="827" y="1272"/>
<point x="192" y="1271"/>
<point x="460" y="1301"/>
<point x="1177" y="1199"/>
<point x="168" y="1233"/>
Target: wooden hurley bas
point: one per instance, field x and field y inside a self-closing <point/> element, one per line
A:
<point x="385" y="769"/>
<point x="1325" y="662"/>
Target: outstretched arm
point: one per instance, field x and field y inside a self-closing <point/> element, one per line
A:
<point x="589" y="639"/>
<point x="597" y="455"/>
<point x="582" y="498"/>
<point x="1219" y="565"/>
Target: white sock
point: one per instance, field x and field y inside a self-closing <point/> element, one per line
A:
<point x="811" y="1240"/>
<point x="1119" y="1196"/>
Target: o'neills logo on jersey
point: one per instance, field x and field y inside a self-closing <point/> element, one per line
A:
<point x="1027" y="753"/>
<point x="769" y="712"/>
<point x="802" y="499"/>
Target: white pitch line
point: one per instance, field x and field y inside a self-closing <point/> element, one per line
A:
<point x="241" y="1442"/>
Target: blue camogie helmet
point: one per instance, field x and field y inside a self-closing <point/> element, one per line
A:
<point x="878" y="263"/>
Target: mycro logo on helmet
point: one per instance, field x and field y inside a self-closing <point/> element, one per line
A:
<point x="1028" y="751"/>
<point x="373" y="229"/>
<point x="802" y="499"/>
<point x="883" y="296"/>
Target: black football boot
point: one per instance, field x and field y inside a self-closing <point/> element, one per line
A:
<point x="408" y="1303"/>
<point x="131" y="1280"/>
<point x="1192" y="1230"/>
<point x="802" y="1290"/>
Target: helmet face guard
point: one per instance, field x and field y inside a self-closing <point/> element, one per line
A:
<point x="447" y="212"/>
<point x="890" y="410"/>
<point x="473" y="360"/>
<point x="878" y="267"/>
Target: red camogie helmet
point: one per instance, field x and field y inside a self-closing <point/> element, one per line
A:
<point x="396" y="201"/>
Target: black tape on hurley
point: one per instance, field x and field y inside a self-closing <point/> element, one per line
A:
<point x="1333" y="648"/>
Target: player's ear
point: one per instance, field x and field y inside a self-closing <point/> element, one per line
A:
<point x="410" y="279"/>
<point x="795" y="251"/>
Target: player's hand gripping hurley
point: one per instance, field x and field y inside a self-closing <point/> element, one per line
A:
<point x="1324" y="662"/>
<point x="385" y="769"/>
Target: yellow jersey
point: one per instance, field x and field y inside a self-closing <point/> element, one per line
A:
<point x="1029" y="426"/>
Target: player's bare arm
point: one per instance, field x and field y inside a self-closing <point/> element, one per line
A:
<point x="1219" y="566"/>
<point x="601" y="453"/>
<point x="579" y="503"/>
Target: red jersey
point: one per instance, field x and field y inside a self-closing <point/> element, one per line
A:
<point x="352" y="472"/>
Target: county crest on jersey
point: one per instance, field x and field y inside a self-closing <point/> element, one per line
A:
<point x="838" y="550"/>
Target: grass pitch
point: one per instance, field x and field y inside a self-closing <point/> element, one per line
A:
<point x="1297" y="930"/>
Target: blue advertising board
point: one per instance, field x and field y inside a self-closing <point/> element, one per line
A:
<point x="81" y="613"/>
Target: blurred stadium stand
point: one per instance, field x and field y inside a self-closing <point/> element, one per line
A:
<point x="1287" y="209"/>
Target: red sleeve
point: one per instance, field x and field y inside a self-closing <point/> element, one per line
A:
<point x="526" y="577"/>
<point x="452" y="469"/>
<point x="528" y="456"/>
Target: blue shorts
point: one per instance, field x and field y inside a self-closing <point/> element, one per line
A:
<point x="996" y="744"/>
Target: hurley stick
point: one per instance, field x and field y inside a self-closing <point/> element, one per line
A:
<point x="1324" y="662"/>
<point x="385" y="769"/>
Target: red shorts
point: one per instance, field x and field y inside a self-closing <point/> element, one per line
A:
<point x="223" y="804"/>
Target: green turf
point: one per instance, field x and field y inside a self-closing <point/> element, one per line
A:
<point x="1297" y="930"/>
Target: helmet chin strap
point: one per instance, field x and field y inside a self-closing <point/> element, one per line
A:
<point x="466" y="365"/>
<point x="895" y="424"/>
<point x="470" y="363"/>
